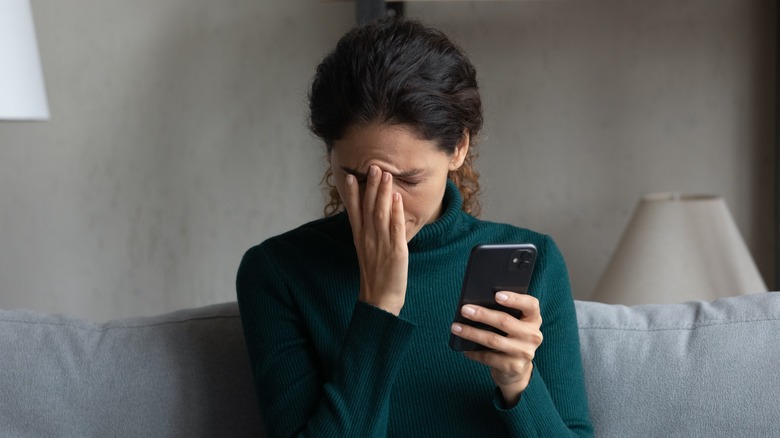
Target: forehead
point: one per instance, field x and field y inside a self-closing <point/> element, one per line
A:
<point x="393" y="147"/>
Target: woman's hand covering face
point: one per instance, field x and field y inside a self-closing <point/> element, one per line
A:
<point x="379" y="234"/>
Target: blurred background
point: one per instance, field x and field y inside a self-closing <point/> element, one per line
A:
<point x="178" y="136"/>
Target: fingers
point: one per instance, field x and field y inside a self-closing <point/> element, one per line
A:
<point x="379" y="209"/>
<point x="527" y="304"/>
<point x="352" y="204"/>
<point x="520" y="333"/>
<point x="384" y="201"/>
<point x="373" y="180"/>
<point x="398" y="221"/>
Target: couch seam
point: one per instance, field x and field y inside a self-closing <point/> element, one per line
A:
<point x="671" y="328"/>
<point x="98" y="327"/>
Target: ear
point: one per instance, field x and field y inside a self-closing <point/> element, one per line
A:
<point x="461" y="151"/>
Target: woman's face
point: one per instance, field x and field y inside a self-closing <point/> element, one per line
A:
<point x="419" y="167"/>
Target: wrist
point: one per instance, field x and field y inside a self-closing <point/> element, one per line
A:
<point x="512" y="392"/>
<point x="393" y="307"/>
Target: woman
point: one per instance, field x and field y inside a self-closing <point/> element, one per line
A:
<point x="347" y="318"/>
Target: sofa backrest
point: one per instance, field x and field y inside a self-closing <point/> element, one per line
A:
<point x="688" y="370"/>
<point x="183" y="374"/>
<point x="685" y="370"/>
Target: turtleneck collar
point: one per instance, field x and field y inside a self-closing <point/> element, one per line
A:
<point x="445" y="227"/>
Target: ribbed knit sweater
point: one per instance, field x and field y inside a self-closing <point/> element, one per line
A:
<point x="327" y="365"/>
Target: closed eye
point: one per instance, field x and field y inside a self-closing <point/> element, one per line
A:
<point x="407" y="183"/>
<point x="408" y="179"/>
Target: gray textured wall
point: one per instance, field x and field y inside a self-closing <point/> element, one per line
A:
<point x="178" y="135"/>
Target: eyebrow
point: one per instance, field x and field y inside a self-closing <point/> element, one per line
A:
<point x="405" y="174"/>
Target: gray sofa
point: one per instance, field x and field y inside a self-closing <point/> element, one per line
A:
<point x="695" y="369"/>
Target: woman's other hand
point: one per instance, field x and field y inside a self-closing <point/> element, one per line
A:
<point x="379" y="233"/>
<point x="509" y="357"/>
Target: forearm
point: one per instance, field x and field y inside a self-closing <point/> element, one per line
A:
<point x="358" y="392"/>
<point x="298" y="398"/>
<point x="537" y="415"/>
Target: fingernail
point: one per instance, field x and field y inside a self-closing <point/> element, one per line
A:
<point x="457" y="328"/>
<point x="501" y="296"/>
<point x="386" y="176"/>
<point x="373" y="170"/>
<point x="350" y="179"/>
<point x="468" y="310"/>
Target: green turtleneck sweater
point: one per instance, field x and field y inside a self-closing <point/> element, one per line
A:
<point x="327" y="365"/>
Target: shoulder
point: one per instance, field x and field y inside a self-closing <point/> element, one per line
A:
<point x="507" y="233"/>
<point x="312" y="239"/>
<point x="328" y="231"/>
<point x="549" y="256"/>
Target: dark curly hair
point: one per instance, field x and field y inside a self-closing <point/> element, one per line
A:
<point x="398" y="71"/>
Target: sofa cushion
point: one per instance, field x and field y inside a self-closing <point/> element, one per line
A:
<point x="691" y="370"/>
<point x="694" y="369"/>
<point x="183" y="374"/>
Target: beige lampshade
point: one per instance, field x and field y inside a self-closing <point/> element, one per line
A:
<point x="676" y="249"/>
<point x="22" y="92"/>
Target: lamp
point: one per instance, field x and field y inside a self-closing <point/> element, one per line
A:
<point x="22" y="93"/>
<point x="679" y="248"/>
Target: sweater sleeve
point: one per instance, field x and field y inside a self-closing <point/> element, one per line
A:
<point x="555" y="402"/>
<point x="295" y="395"/>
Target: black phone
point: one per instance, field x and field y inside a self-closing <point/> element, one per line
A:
<point x="490" y="269"/>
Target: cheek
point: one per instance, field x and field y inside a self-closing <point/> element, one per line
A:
<point x="415" y="208"/>
<point x="339" y="183"/>
<point x="424" y="206"/>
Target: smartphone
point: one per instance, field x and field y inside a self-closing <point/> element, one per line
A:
<point x="490" y="269"/>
